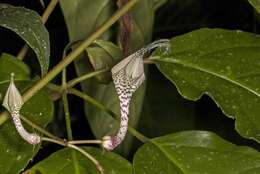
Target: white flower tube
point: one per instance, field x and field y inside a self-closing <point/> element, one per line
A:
<point x="128" y="75"/>
<point x="13" y="103"/>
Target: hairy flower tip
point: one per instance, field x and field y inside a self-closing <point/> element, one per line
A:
<point x="107" y="143"/>
<point x="34" y="139"/>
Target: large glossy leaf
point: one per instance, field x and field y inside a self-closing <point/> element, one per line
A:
<point x="28" y="25"/>
<point x="255" y="4"/>
<point x="76" y="13"/>
<point x="15" y="152"/>
<point x="60" y="162"/>
<point x="223" y="64"/>
<point x="193" y="152"/>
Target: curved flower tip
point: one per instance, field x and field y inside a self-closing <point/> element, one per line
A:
<point x="13" y="103"/>
<point x="107" y="143"/>
<point x="34" y="139"/>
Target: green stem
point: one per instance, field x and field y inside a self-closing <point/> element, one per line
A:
<point x="90" y="157"/>
<point x="74" y="54"/>
<point x="77" y="80"/>
<point x="148" y="61"/>
<point x="68" y="121"/>
<point x="49" y="10"/>
<point x="45" y="17"/>
<point x="55" y="88"/>
<point x="85" y="142"/>
<point x="40" y="129"/>
<point x="22" y="53"/>
<point x="42" y="4"/>
<point x="3" y="117"/>
<point x="66" y="105"/>
<point x="92" y="101"/>
<point x="62" y="143"/>
<point x="67" y="116"/>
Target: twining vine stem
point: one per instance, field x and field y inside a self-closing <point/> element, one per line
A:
<point x="85" y="142"/>
<point x="79" y="79"/>
<point x="68" y="121"/>
<point x="40" y="129"/>
<point x="66" y="106"/>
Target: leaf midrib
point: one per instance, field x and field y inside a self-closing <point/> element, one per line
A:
<point x="175" y="61"/>
<point x="183" y="170"/>
<point x="168" y="156"/>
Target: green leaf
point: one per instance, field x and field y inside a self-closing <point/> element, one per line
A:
<point x="83" y="17"/>
<point x="255" y="4"/>
<point x="143" y="20"/>
<point x="223" y="64"/>
<point x="193" y="152"/>
<point x="9" y="64"/>
<point x="15" y="153"/>
<point x="28" y="25"/>
<point x="60" y="162"/>
<point x="103" y="55"/>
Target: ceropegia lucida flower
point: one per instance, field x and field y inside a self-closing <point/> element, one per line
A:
<point x="127" y="76"/>
<point x="13" y="103"/>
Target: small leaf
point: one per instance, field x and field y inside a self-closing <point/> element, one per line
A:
<point x="76" y="12"/>
<point x="60" y="162"/>
<point x="223" y="64"/>
<point x="8" y="65"/>
<point x="193" y="152"/>
<point x="255" y="4"/>
<point x="103" y="55"/>
<point x="28" y="25"/>
<point x="15" y="152"/>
